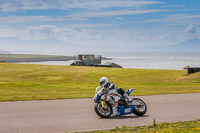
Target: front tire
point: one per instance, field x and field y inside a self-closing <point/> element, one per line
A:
<point x="140" y="107"/>
<point x="103" y="112"/>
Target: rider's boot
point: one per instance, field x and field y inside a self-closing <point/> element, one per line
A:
<point x="127" y="98"/>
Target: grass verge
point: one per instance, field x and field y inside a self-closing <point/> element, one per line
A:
<point x="177" y="127"/>
<point x="20" y="82"/>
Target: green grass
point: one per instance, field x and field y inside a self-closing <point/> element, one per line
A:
<point x="37" y="82"/>
<point x="178" y="127"/>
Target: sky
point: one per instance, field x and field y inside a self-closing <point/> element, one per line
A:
<point x="111" y="23"/>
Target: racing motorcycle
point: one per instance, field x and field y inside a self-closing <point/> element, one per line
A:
<point x="111" y="103"/>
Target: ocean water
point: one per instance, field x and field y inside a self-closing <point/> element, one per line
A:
<point x="142" y="60"/>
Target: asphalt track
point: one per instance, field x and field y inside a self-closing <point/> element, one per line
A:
<point x="57" y="116"/>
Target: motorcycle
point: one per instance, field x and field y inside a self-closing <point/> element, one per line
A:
<point x="112" y="104"/>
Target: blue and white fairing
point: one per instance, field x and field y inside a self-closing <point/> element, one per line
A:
<point x="128" y="92"/>
<point x="121" y="110"/>
<point x="96" y="97"/>
<point x="98" y="92"/>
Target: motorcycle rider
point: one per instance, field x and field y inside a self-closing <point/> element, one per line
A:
<point x="104" y="83"/>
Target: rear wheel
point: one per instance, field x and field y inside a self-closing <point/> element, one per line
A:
<point x="140" y="107"/>
<point x="103" y="112"/>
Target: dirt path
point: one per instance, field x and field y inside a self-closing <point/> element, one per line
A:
<point x="57" y="116"/>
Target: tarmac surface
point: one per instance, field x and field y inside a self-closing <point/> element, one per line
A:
<point x="59" y="116"/>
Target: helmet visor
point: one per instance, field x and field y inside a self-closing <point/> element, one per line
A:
<point x="102" y="82"/>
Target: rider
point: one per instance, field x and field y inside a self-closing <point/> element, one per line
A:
<point x="109" y="86"/>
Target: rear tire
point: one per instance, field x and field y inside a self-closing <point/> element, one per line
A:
<point x="140" y="108"/>
<point x="103" y="112"/>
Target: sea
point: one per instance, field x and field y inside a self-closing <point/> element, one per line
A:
<point x="138" y="60"/>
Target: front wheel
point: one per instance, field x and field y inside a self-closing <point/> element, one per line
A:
<point x="103" y="112"/>
<point x="140" y="107"/>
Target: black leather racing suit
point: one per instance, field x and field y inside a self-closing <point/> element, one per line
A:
<point x="110" y="86"/>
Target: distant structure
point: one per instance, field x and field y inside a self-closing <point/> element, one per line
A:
<point x="92" y="60"/>
<point x="193" y="70"/>
<point x="86" y="60"/>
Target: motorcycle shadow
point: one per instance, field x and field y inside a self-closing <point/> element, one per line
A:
<point x="127" y="117"/>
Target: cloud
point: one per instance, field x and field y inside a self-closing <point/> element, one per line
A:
<point x="103" y="22"/>
<point x="76" y="9"/>
<point x="73" y="33"/>
<point x="16" y="5"/>
<point x="10" y="32"/>
<point x="183" y="18"/>
<point x="111" y="13"/>
<point x="85" y="34"/>
<point x="21" y="19"/>
<point x="81" y="34"/>
<point x="190" y="32"/>
<point x="41" y="32"/>
<point x="177" y="19"/>
<point x="192" y="29"/>
<point x="74" y="16"/>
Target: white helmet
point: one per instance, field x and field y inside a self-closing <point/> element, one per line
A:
<point x="103" y="81"/>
